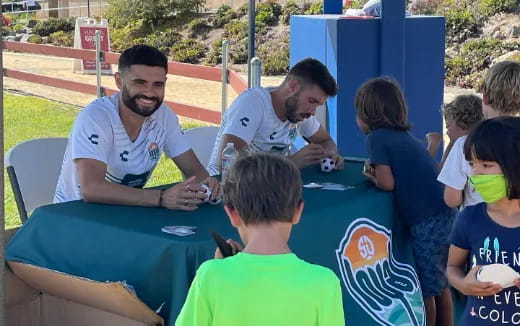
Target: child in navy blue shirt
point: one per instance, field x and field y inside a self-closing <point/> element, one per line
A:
<point x="399" y="162"/>
<point x="489" y="232"/>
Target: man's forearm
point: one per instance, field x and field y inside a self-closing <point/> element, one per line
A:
<point x="115" y="194"/>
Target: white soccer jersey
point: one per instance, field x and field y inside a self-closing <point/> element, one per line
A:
<point x="99" y="134"/>
<point x="252" y="118"/>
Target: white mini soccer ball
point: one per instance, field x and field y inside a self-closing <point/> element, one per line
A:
<point x="215" y="201"/>
<point x="206" y="192"/>
<point x="327" y="164"/>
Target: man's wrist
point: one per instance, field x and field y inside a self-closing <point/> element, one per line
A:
<point x="161" y="193"/>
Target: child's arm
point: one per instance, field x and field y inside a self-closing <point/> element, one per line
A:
<point x="467" y="284"/>
<point x="381" y="176"/>
<point x="434" y="140"/>
<point x="453" y="197"/>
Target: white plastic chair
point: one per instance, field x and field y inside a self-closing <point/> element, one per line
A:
<point x="34" y="167"/>
<point x="201" y="140"/>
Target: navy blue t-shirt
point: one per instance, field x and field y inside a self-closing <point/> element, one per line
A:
<point x="417" y="193"/>
<point x="489" y="243"/>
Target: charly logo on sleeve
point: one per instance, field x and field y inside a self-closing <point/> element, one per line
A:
<point x="93" y="139"/>
<point x="386" y="289"/>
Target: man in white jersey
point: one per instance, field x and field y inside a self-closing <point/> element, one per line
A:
<point x="270" y="119"/>
<point x="117" y="141"/>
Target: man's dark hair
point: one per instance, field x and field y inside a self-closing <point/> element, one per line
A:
<point x="263" y="188"/>
<point x="312" y="72"/>
<point x="498" y="140"/>
<point x="142" y="55"/>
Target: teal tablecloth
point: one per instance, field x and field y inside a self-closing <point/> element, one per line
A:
<point x="116" y="243"/>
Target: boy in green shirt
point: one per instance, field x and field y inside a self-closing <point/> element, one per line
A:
<point x="265" y="283"/>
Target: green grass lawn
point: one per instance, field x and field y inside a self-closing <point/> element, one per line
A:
<point x="27" y="117"/>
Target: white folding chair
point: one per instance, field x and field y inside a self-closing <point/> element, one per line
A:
<point x="34" y="167"/>
<point x="201" y="140"/>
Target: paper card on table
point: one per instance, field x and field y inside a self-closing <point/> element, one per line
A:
<point x="313" y="185"/>
<point x="179" y="230"/>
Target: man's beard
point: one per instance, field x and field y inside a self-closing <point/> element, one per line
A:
<point x="131" y="103"/>
<point x="291" y="109"/>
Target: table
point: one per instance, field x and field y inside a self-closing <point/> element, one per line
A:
<point x="115" y="243"/>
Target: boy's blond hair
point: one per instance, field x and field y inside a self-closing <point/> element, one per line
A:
<point x="502" y="87"/>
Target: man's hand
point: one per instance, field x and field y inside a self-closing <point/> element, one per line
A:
<point x="338" y="159"/>
<point x="237" y="247"/>
<point x="308" y="155"/>
<point x="471" y="286"/>
<point x="214" y="186"/>
<point x="183" y="196"/>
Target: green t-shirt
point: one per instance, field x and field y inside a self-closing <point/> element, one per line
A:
<point x="270" y="290"/>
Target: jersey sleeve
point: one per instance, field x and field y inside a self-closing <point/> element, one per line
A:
<point x="331" y="313"/>
<point x="92" y="135"/>
<point x="175" y="142"/>
<point x="196" y="310"/>
<point x="377" y="151"/>
<point x="309" y="127"/>
<point x="243" y="119"/>
<point x="453" y="171"/>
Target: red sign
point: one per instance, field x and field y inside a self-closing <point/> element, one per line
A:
<point x="88" y="41"/>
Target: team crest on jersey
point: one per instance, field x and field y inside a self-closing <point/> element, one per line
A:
<point x="293" y="132"/>
<point x="386" y="289"/>
<point x="153" y="151"/>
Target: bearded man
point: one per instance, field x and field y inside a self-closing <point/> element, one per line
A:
<point x="117" y="141"/>
<point x="270" y="119"/>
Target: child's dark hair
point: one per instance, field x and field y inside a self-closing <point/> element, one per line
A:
<point x="498" y="140"/>
<point x="465" y="110"/>
<point x="263" y="188"/>
<point x="380" y="103"/>
<point x="310" y="72"/>
<point x="142" y="55"/>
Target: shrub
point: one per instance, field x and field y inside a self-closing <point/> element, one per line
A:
<point x="223" y="16"/>
<point x="215" y="55"/>
<point x="35" y="38"/>
<point x="236" y="30"/>
<point x="238" y="51"/>
<point x="315" y="9"/>
<point x="243" y="10"/>
<point x="424" y="7"/>
<point x="6" y="20"/>
<point x="290" y="8"/>
<point x="53" y="25"/>
<point x="491" y="7"/>
<point x="150" y="13"/>
<point x="188" y="51"/>
<point x="275" y="56"/>
<point x="462" y="21"/>
<point x="198" y="27"/>
<point x="18" y="28"/>
<point x="267" y="13"/>
<point x="466" y="70"/>
<point x="62" y="38"/>
<point x="123" y="38"/>
<point x="160" y="40"/>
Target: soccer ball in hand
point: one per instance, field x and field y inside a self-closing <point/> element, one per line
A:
<point x="327" y="164"/>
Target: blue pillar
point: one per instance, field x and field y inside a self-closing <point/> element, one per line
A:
<point x="332" y="7"/>
<point x="392" y="29"/>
